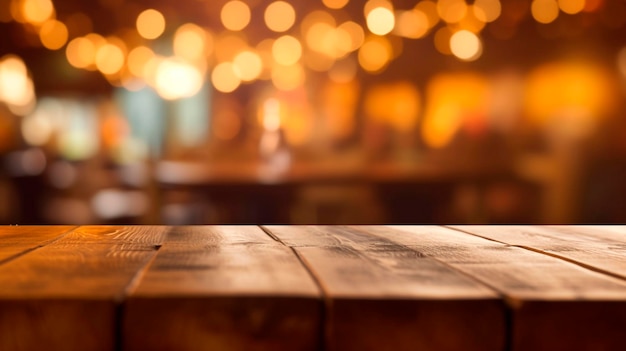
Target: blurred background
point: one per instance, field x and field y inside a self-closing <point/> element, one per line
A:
<point x="323" y="111"/>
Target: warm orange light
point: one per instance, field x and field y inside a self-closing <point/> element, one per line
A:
<point x="288" y="78"/>
<point x="465" y="45"/>
<point x="375" y="54"/>
<point x="335" y="4"/>
<point x="487" y="10"/>
<point x="37" y="11"/>
<point x="574" y="94"/>
<point x="544" y="11"/>
<point x="248" y="65"/>
<point x="380" y="20"/>
<point x="109" y="59"/>
<point x="279" y="16"/>
<point x="572" y="6"/>
<point x="53" y="34"/>
<point x="452" y="100"/>
<point x="235" y="15"/>
<point x="189" y="42"/>
<point x="224" y="78"/>
<point x="150" y="24"/>
<point x="452" y="11"/>
<point x="138" y="58"/>
<point x="228" y="45"/>
<point x="412" y="24"/>
<point x="395" y="104"/>
<point x="287" y="50"/>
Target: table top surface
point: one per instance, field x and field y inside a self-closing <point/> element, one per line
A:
<point x="312" y="287"/>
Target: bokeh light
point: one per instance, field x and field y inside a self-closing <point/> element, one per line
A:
<point x="545" y="11"/>
<point x="224" y="78"/>
<point x="177" y="79"/>
<point x="335" y="4"/>
<point x="235" y="15"/>
<point x="189" y="42"/>
<point x="279" y="16"/>
<point x="287" y="50"/>
<point x="53" y="34"/>
<point x="150" y="24"/>
<point x="375" y="54"/>
<point x="465" y="45"/>
<point x="380" y="21"/>
<point x="248" y="65"/>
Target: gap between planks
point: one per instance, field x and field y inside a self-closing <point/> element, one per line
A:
<point x="544" y="252"/>
<point x="38" y="246"/>
<point x="314" y="277"/>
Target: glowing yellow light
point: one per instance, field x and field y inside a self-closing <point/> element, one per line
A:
<point x="395" y="104"/>
<point x="375" y="54"/>
<point x="80" y="52"/>
<point x="412" y="24"/>
<point x="544" y="11"/>
<point x="572" y="6"/>
<point x="109" y="59"/>
<point x="286" y="50"/>
<point x="16" y="88"/>
<point x="465" y="45"/>
<point x="150" y="24"/>
<point x="248" y="65"/>
<point x="37" y="11"/>
<point x="279" y="16"/>
<point x="335" y="4"/>
<point x="452" y="11"/>
<point x="235" y="15"/>
<point x="138" y="58"/>
<point x="288" y="78"/>
<point x="380" y="21"/>
<point x="487" y="10"/>
<point x="451" y="100"/>
<point x="53" y="34"/>
<point x="189" y="42"/>
<point x="176" y="79"/>
<point x="575" y="94"/>
<point x="224" y="78"/>
<point x="356" y="33"/>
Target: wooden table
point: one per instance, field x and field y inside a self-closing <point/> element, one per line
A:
<point x="312" y="288"/>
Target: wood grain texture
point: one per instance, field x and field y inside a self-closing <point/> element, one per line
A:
<point x="385" y="296"/>
<point x="556" y="305"/>
<point x="593" y="247"/>
<point x="17" y="240"/>
<point x="64" y="295"/>
<point x="223" y="288"/>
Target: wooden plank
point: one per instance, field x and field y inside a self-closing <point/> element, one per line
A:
<point x="594" y="248"/>
<point x="223" y="288"/>
<point x="17" y="240"/>
<point x="386" y="296"/>
<point x="556" y="305"/>
<point x="64" y="296"/>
